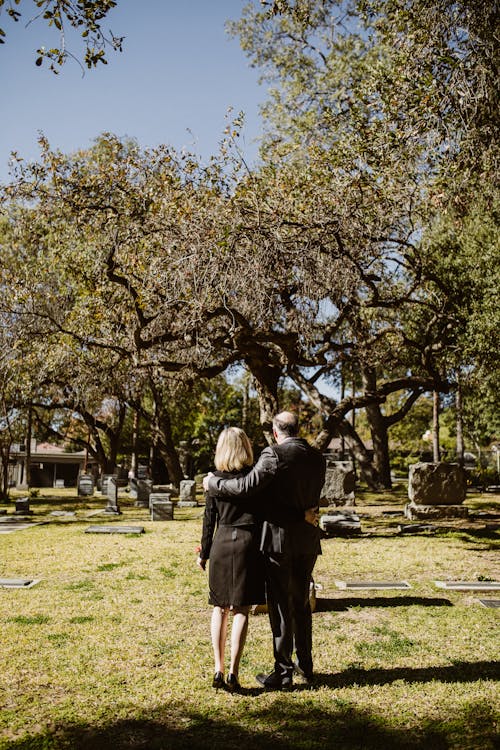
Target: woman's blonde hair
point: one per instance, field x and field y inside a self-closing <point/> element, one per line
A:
<point x="233" y="451"/>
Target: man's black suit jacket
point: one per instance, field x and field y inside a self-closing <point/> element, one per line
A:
<point x="289" y="478"/>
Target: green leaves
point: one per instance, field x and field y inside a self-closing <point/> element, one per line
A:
<point x="79" y="14"/>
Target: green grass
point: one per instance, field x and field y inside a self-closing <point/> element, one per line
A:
<point x="112" y="649"/>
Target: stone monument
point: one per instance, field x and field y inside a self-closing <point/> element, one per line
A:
<point x="140" y="490"/>
<point x="436" y="490"/>
<point x="187" y="494"/>
<point x="340" y="483"/>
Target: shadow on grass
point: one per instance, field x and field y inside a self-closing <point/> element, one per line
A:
<point x="277" y="725"/>
<point x="341" y="605"/>
<point x="459" y="672"/>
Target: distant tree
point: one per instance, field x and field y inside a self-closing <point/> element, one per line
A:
<point x="62" y="15"/>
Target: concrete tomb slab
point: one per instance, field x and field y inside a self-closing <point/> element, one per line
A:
<point x="16" y="525"/>
<point x="490" y="603"/>
<point x="379" y="585"/>
<point x="340" y="523"/>
<point x="18" y="583"/>
<point x="415" y="528"/>
<point x="115" y="530"/>
<point x="468" y="585"/>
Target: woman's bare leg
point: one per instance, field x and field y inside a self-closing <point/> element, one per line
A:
<point x="218" y="630"/>
<point x="239" y="631"/>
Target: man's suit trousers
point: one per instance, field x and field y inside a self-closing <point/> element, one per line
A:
<point x="288" y="579"/>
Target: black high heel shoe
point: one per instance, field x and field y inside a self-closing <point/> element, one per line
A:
<point x="218" y="681"/>
<point x="232" y="683"/>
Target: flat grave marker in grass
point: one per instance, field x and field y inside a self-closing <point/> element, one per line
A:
<point x="373" y="585"/>
<point x="8" y="525"/>
<point x="468" y="585"/>
<point x="18" y="583"/>
<point x="490" y="603"/>
<point x="115" y="530"/>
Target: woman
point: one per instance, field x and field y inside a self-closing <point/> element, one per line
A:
<point x="230" y="539"/>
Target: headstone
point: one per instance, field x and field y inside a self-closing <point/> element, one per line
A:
<point x="140" y="489"/>
<point x="112" y="506"/>
<point x="340" y="523"/>
<point x="104" y="483"/>
<point x="340" y="483"/>
<point x="491" y="603"/>
<point x="187" y="494"/>
<point x="437" y="484"/>
<point x="379" y="585"/>
<point x="85" y="485"/>
<point x="161" y="510"/>
<point x="59" y="483"/>
<point x="23" y="507"/>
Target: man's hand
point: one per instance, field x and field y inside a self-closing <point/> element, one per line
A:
<point x="311" y="515"/>
<point x="205" y="480"/>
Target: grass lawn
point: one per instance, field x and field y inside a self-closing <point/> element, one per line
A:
<point x="111" y="649"/>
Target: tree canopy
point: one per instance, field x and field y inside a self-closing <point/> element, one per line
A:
<point x="357" y="252"/>
<point x="63" y="15"/>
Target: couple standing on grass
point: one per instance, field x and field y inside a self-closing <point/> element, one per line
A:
<point x="260" y="530"/>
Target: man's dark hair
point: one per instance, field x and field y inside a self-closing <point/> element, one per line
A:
<point x="287" y="424"/>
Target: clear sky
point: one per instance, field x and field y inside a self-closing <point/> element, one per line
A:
<point x="178" y="74"/>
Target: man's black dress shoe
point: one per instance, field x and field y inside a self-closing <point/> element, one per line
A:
<point x="218" y="681"/>
<point x="275" y="681"/>
<point x="232" y="683"/>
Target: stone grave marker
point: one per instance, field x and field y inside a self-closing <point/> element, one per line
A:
<point x="436" y="490"/>
<point x="416" y="528"/>
<point x="85" y="485"/>
<point x="187" y="494"/>
<point x="140" y="490"/>
<point x="340" y="523"/>
<point x="113" y="484"/>
<point x="23" y="507"/>
<point x="18" y="583"/>
<point x="104" y="483"/>
<point x="340" y="484"/>
<point x="490" y="603"/>
<point x="468" y="585"/>
<point x="101" y="529"/>
<point x="161" y="507"/>
<point x="378" y="585"/>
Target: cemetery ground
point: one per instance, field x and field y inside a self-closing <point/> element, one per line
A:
<point x="111" y="648"/>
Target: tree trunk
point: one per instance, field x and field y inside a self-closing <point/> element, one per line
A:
<point x="343" y="427"/>
<point x="165" y="445"/>
<point x="5" y="451"/>
<point x="266" y="382"/>
<point x="27" y="465"/>
<point x="135" y="433"/>
<point x="460" y="432"/>
<point x="378" y="431"/>
<point x="380" y="439"/>
<point x="436" y="453"/>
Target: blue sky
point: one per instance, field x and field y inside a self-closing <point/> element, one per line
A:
<point x="178" y="74"/>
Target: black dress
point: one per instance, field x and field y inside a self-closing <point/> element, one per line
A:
<point x="230" y="540"/>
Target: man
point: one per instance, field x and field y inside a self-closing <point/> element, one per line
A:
<point x="291" y="475"/>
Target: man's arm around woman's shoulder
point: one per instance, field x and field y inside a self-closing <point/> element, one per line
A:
<point x="249" y="484"/>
